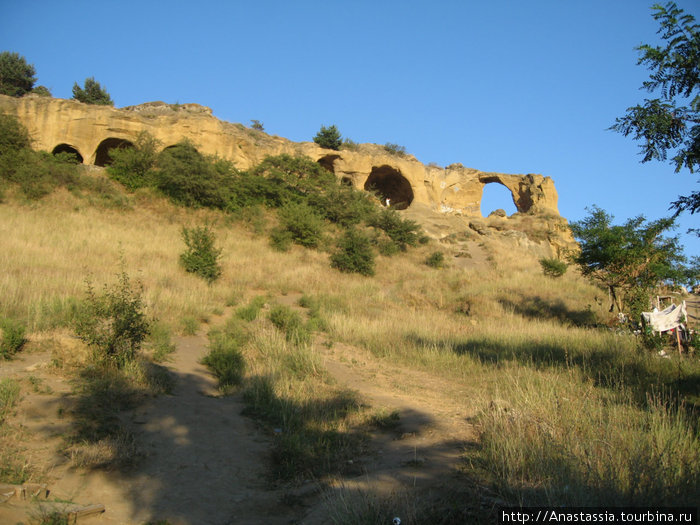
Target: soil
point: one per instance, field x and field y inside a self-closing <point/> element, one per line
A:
<point x="205" y="463"/>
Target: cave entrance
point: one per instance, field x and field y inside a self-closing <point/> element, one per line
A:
<point x="67" y="148"/>
<point x="327" y="162"/>
<point x="388" y="183"/>
<point x="495" y="196"/>
<point x="102" y="157"/>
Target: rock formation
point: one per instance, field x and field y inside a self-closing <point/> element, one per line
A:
<point x="90" y="131"/>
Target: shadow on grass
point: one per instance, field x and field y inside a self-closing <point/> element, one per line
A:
<point x="310" y="438"/>
<point x="557" y="310"/>
<point x="99" y="438"/>
<point x="639" y="372"/>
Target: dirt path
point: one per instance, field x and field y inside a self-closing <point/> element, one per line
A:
<point x="205" y="462"/>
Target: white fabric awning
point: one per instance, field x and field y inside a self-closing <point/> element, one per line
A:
<point x="667" y="319"/>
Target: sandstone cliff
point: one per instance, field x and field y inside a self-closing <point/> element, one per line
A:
<point x="443" y="199"/>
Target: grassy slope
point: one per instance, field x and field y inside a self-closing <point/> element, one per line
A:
<point x="568" y="415"/>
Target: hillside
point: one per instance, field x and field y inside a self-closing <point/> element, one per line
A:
<point x="432" y="392"/>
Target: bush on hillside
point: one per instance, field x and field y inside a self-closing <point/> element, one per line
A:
<point x="302" y="223"/>
<point x="225" y="360"/>
<point x="553" y="267"/>
<point x="436" y="260"/>
<point x="192" y="179"/>
<point x="354" y="254"/>
<point x="402" y="232"/>
<point x="395" y="149"/>
<point x="343" y="205"/>
<point x="12" y="337"/>
<point x="133" y="166"/>
<point x="114" y="323"/>
<point x="201" y="256"/>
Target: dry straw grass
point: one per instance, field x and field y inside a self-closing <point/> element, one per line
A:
<point x="564" y="413"/>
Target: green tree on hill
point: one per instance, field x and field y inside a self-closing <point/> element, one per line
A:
<point x="627" y="258"/>
<point x="671" y="122"/>
<point x="328" y="138"/>
<point x="16" y="76"/>
<point x="92" y="93"/>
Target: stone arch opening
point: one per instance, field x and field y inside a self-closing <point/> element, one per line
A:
<point x="102" y="157"/>
<point x="389" y="183"/>
<point x="496" y="196"/>
<point x="67" y="148"/>
<point x="327" y="162"/>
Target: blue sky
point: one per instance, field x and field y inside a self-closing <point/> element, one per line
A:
<point x="504" y="85"/>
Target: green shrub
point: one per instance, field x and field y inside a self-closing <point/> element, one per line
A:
<point x="553" y="267"/>
<point x="291" y="323"/>
<point x="436" y="260"/>
<point x="189" y="325"/>
<point x="189" y="178"/>
<point x="257" y="125"/>
<point x="354" y="254"/>
<point x="250" y="312"/>
<point x="13" y="135"/>
<point x="42" y="91"/>
<point x="114" y="323"/>
<point x="225" y="360"/>
<point x="343" y="205"/>
<point x="160" y="338"/>
<point x="303" y="223"/>
<point x="201" y="256"/>
<point x="395" y="149"/>
<point x="13" y="337"/>
<point x="402" y="232"/>
<point x="328" y="138"/>
<point x="281" y="239"/>
<point x="133" y="167"/>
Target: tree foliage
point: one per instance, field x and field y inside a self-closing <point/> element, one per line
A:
<point x="16" y="76"/>
<point x="628" y="257"/>
<point x="328" y="138"/>
<point x="670" y="123"/>
<point x="92" y="93"/>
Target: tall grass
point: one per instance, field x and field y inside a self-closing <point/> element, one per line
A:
<point x="317" y="426"/>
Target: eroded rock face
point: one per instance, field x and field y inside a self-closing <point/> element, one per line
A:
<point x="91" y="131"/>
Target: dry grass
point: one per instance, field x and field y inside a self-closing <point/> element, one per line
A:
<point x="552" y="391"/>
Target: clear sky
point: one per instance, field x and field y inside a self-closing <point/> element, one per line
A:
<point x="511" y="86"/>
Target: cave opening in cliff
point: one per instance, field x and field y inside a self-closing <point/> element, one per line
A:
<point x="102" y="157"/>
<point x="327" y="162"/>
<point x="495" y="196"/>
<point x="67" y="148"/>
<point x="388" y="183"/>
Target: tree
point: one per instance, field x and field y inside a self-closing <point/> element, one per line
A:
<point x="42" y="91"/>
<point x="92" y="93"/>
<point x="16" y="76"/>
<point x="628" y="258"/>
<point x="328" y="138"/>
<point x="670" y="123"/>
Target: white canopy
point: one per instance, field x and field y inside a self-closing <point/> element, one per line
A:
<point x="667" y="319"/>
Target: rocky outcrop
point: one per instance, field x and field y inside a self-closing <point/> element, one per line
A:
<point x="91" y="131"/>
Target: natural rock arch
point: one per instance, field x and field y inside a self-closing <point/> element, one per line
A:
<point x="102" y="151"/>
<point x="67" y="148"/>
<point x="498" y="193"/>
<point x="390" y="184"/>
<point x="327" y="162"/>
